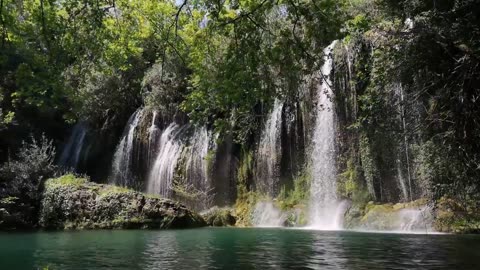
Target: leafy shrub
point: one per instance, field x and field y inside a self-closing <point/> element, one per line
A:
<point x="163" y="87"/>
<point x="24" y="176"/>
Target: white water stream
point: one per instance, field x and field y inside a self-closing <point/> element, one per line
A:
<point x="71" y="152"/>
<point x="325" y="208"/>
<point x="123" y="158"/>
<point x="269" y="152"/>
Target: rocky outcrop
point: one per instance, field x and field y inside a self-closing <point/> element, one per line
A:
<point x="219" y="217"/>
<point x="75" y="203"/>
<point x="414" y="216"/>
<point x="457" y="216"/>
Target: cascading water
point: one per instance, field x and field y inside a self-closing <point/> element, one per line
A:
<point x="71" y="153"/>
<point x="181" y="149"/>
<point x="122" y="160"/>
<point x="325" y="208"/>
<point x="161" y="175"/>
<point x="153" y="134"/>
<point x="269" y="150"/>
<point x="406" y="147"/>
<point x="196" y="165"/>
<point x="402" y="183"/>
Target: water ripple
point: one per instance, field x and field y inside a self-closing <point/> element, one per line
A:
<point x="230" y="248"/>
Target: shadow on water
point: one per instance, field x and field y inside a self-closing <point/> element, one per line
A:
<point x="234" y="248"/>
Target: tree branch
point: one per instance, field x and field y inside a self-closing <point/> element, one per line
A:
<point x="4" y="28"/>
<point x="244" y="15"/>
<point x="177" y="16"/>
<point x="44" y="28"/>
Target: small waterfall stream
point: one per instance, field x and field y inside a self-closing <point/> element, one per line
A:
<point x="153" y="133"/>
<point x="123" y="158"/>
<point x="408" y="195"/>
<point x="324" y="204"/>
<point x="180" y="167"/>
<point x="71" y="152"/>
<point x="169" y="150"/>
<point x="401" y="182"/>
<point x="196" y="164"/>
<point x="269" y="151"/>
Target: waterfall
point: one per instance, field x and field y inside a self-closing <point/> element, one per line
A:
<point x="401" y="182"/>
<point x="153" y="133"/>
<point x="407" y="157"/>
<point x="269" y="150"/>
<point x="405" y="185"/>
<point x="180" y="167"/>
<point x="324" y="205"/>
<point x="171" y="162"/>
<point x="161" y="175"/>
<point x="71" y="153"/>
<point x="196" y="165"/>
<point x="123" y="158"/>
<point x="266" y="214"/>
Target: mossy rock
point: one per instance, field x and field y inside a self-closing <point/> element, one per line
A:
<point x="75" y="203"/>
<point x="456" y="216"/>
<point x="401" y="216"/>
<point x="219" y="217"/>
<point x="296" y="217"/>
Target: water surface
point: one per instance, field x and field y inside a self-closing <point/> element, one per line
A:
<point x="234" y="248"/>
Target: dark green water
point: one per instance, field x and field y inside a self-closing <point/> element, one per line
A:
<point x="230" y="248"/>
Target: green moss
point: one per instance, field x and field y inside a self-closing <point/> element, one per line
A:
<point x="219" y="217"/>
<point x="368" y="164"/>
<point x="108" y="190"/>
<point x="66" y="180"/>
<point x="153" y="196"/>
<point x="246" y="199"/>
<point x="210" y="159"/>
<point x="245" y="169"/>
<point x="244" y="207"/>
<point x="8" y="200"/>
<point x="299" y="195"/>
<point x="457" y="216"/>
<point x="348" y="183"/>
<point x="377" y="216"/>
<point x="100" y="206"/>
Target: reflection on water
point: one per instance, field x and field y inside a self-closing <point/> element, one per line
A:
<point x="230" y="248"/>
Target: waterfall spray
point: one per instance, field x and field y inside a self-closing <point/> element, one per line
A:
<point x="267" y="215"/>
